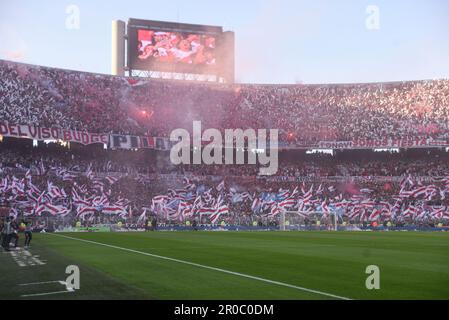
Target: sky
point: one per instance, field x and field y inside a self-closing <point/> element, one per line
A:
<point x="277" y="41"/>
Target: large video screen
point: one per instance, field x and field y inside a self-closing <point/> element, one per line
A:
<point x="175" y="47"/>
<point x="181" y="49"/>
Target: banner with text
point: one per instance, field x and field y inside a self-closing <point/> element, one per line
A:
<point x="134" y="142"/>
<point x="42" y="134"/>
<point x="128" y="142"/>
<point x="387" y="143"/>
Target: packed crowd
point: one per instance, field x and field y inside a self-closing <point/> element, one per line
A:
<point x="102" y="185"/>
<point x="90" y="184"/>
<point x="304" y="114"/>
<point x="53" y="98"/>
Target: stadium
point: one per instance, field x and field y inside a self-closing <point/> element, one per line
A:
<point x="88" y="182"/>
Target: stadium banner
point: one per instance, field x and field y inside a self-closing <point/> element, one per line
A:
<point x="387" y="143"/>
<point x="123" y="142"/>
<point x="134" y="142"/>
<point x="340" y="179"/>
<point x="43" y="134"/>
<point x="128" y="142"/>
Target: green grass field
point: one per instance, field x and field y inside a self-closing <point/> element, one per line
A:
<point x="228" y="265"/>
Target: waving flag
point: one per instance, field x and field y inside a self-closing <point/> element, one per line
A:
<point x="221" y="186"/>
<point x="375" y="215"/>
<point x="111" y="180"/>
<point x="256" y="205"/>
<point x="28" y="176"/>
<point x="41" y="169"/>
<point x="288" y="203"/>
<point x="113" y="210"/>
<point x="89" y="173"/>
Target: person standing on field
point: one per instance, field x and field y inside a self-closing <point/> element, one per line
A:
<point x="6" y="233"/>
<point x="28" y="234"/>
<point x="14" y="233"/>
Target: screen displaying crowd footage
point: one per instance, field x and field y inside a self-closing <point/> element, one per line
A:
<point x="174" y="47"/>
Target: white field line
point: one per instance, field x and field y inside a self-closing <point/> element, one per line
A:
<point x="44" y="294"/>
<point x="283" y="284"/>
<point x="24" y="258"/>
<point x="41" y="283"/>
